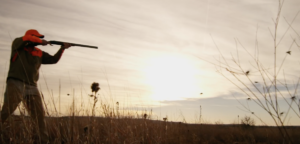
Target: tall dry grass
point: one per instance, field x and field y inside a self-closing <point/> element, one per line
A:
<point x="110" y="130"/>
<point x="107" y="125"/>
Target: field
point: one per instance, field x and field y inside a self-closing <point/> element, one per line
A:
<point x="116" y="130"/>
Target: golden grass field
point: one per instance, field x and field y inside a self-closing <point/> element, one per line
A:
<point x="128" y="130"/>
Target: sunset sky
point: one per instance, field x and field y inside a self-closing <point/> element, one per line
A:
<point x="159" y="55"/>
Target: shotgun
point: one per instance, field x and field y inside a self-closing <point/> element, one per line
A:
<point x="72" y="44"/>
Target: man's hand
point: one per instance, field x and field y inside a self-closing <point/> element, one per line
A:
<point x="44" y="42"/>
<point x="66" y="45"/>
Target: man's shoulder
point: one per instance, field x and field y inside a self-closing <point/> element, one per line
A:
<point x="17" y="43"/>
<point x="18" y="39"/>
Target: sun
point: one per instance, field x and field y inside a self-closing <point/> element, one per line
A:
<point x="171" y="77"/>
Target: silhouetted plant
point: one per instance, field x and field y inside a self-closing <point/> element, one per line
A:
<point x="95" y="88"/>
<point x="247" y="121"/>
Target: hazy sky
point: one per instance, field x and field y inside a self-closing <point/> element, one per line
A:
<point x="155" y="54"/>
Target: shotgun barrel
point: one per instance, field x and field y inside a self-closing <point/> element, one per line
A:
<point x="72" y="44"/>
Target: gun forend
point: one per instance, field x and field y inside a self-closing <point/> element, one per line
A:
<point x="72" y="44"/>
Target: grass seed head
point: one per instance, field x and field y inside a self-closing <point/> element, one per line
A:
<point x="95" y="87"/>
<point x="165" y="119"/>
<point x="247" y="73"/>
<point x="281" y="113"/>
<point x="293" y="98"/>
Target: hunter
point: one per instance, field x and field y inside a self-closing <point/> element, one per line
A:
<point x="23" y="74"/>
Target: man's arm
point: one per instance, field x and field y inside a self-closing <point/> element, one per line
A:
<point x="21" y="42"/>
<point x="48" y="59"/>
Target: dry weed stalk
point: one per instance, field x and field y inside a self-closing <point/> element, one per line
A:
<point x="95" y="88"/>
<point x="264" y="93"/>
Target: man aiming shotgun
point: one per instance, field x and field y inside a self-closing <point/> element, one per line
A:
<point x="23" y="74"/>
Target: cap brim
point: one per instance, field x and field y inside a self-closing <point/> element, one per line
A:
<point x="39" y="36"/>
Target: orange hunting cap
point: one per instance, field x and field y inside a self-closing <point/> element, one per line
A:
<point x="34" y="33"/>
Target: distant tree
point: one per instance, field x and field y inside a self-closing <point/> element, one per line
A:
<point x="247" y="121"/>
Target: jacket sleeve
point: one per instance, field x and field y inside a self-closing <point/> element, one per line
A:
<point x="20" y="42"/>
<point x="49" y="59"/>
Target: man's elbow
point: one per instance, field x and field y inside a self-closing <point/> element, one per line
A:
<point x="50" y="61"/>
<point x="55" y="61"/>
